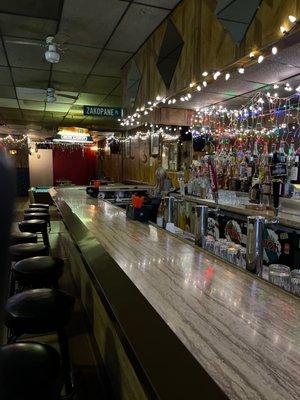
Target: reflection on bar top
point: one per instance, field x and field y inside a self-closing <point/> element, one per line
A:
<point x="289" y="217"/>
<point x="243" y="331"/>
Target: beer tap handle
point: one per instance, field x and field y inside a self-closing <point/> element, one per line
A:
<point x="276" y="192"/>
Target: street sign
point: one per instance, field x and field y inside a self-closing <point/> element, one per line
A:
<point x="108" y="112"/>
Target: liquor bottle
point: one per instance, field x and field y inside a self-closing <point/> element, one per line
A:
<point x="295" y="169"/>
<point x="282" y="155"/>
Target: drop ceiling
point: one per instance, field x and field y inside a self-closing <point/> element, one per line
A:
<point x="99" y="37"/>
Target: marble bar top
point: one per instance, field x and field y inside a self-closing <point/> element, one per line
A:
<point x="244" y="332"/>
<point x="287" y="217"/>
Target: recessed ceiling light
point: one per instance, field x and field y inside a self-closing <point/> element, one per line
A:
<point x="274" y="50"/>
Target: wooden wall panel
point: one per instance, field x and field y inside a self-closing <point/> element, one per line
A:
<point x="207" y="45"/>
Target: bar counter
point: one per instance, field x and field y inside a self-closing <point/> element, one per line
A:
<point x="240" y="331"/>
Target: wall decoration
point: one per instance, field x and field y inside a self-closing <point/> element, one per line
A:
<point x="154" y="144"/>
<point x="128" y="148"/>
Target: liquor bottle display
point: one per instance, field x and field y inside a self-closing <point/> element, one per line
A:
<point x="249" y="170"/>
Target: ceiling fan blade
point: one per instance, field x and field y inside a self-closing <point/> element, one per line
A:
<point x="22" y="42"/>
<point x="67" y="96"/>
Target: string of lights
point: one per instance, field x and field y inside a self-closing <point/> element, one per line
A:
<point x="257" y="56"/>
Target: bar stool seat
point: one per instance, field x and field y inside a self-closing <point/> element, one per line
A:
<point x="38" y="271"/>
<point x="39" y="205"/>
<point x="35" y="226"/>
<point x="21" y="251"/>
<point x="22" y="237"/>
<point x="30" y="216"/>
<point x="36" y="210"/>
<point x="29" y="371"/>
<point x="38" y="311"/>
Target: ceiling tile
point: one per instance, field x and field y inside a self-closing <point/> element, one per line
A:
<point x="65" y="81"/>
<point x="33" y="8"/>
<point x="170" y="4"/>
<point x="10" y="103"/>
<point x="112" y="101"/>
<point x="89" y="99"/>
<point x="32" y="105"/>
<point x="58" y="107"/>
<point x="2" y="55"/>
<point x="26" y="56"/>
<point x="35" y="78"/>
<point x="138" y="23"/>
<point x="77" y="59"/>
<point x="5" y="78"/>
<point x="92" y="23"/>
<point x="100" y="84"/>
<point x="7" y="92"/>
<point x="25" y="93"/>
<point x="110" y="63"/>
<point x="26" y="27"/>
<point x="118" y="91"/>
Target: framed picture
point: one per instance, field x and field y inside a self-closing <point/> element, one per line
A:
<point x="154" y="144"/>
<point x="128" y="148"/>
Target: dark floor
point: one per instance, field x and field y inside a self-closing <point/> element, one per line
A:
<point x="90" y="378"/>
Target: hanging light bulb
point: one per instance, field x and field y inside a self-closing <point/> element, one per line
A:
<point x="274" y="50"/>
<point x="227" y="76"/>
<point x="205" y="73"/>
<point x="216" y="75"/>
<point x="275" y="86"/>
<point x="292" y="18"/>
<point x="174" y="101"/>
<point x="189" y="95"/>
<point x="282" y="29"/>
<point x="241" y="70"/>
<point x="275" y="94"/>
<point x="252" y="55"/>
<point x="158" y="98"/>
<point x="260" y="59"/>
<point x="298" y="89"/>
<point x="204" y="83"/>
<point x="192" y="84"/>
<point x="182" y="98"/>
<point x="199" y="88"/>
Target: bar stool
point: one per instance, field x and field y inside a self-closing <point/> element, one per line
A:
<point x="30" y="371"/>
<point x="22" y="237"/>
<point x="38" y="272"/>
<point x="36" y="226"/>
<point x="45" y="216"/>
<point x="39" y="205"/>
<point x="41" y="311"/>
<point x="20" y="251"/>
<point x="36" y="210"/>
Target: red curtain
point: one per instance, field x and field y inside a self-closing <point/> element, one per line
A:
<point x="74" y="164"/>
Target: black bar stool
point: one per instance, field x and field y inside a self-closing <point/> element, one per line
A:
<point x="20" y="251"/>
<point x="36" y="226"/>
<point x="22" y="237"/>
<point x="45" y="216"/>
<point x="38" y="272"/>
<point x="30" y="371"/>
<point x="36" y="210"/>
<point x="41" y="311"/>
<point x="39" y="205"/>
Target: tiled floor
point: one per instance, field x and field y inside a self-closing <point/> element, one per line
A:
<point x="90" y="378"/>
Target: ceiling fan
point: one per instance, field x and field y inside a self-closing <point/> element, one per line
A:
<point x="51" y="96"/>
<point x="51" y="55"/>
